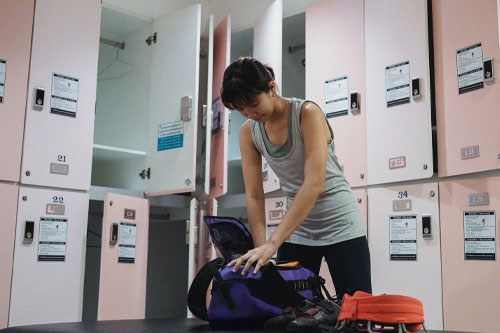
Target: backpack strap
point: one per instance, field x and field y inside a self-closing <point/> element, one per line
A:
<point x="198" y="290"/>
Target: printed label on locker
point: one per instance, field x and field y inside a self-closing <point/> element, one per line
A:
<point x="397" y="162"/>
<point x="55" y="209"/>
<point x="470" y="152"/>
<point x="170" y="135"/>
<point x="336" y="97"/>
<point x="129" y="214"/>
<point x="59" y="169"/>
<point x="126" y="242"/>
<point x="64" y="98"/>
<point x="479" y="235"/>
<point x="470" y="68"/>
<point x="52" y="239"/>
<point x="3" y="70"/>
<point x="276" y="214"/>
<point x="478" y="199"/>
<point x="397" y="83"/>
<point x="403" y="237"/>
<point x="401" y="205"/>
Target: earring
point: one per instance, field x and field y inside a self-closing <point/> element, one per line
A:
<point x="274" y="94"/>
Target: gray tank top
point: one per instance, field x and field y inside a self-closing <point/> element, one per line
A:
<point x="336" y="216"/>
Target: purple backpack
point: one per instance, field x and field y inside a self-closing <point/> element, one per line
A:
<point x="246" y="301"/>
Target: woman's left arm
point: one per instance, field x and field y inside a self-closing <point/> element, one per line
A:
<point x="315" y="132"/>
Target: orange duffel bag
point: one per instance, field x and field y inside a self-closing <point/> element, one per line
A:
<point x="381" y="313"/>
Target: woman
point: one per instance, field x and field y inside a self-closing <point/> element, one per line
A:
<point x="293" y="135"/>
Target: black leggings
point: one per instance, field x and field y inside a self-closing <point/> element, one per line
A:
<point x="348" y="262"/>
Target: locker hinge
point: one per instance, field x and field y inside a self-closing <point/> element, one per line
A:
<point x="151" y="39"/>
<point x="146" y="174"/>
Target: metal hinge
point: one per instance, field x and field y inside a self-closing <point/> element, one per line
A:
<point x="146" y="174"/>
<point x="151" y="39"/>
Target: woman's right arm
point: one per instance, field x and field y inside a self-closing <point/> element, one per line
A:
<point x="251" y="162"/>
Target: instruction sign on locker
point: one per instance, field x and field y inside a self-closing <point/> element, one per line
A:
<point x="466" y="44"/>
<point x="397" y="91"/>
<point x="335" y="78"/>
<point x="61" y="94"/>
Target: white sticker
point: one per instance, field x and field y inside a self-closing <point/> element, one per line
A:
<point x="470" y="68"/>
<point x="397" y="83"/>
<point x="403" y="237"/>
<point x="126" y="242"/>
<point x="479" y="235"/>
<point x="52" y="239"/>
<point x="64" y="97"/>
<point x="336" y="97"/>
<point x="3" y="70"/>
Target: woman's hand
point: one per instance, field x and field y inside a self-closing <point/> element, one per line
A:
<point x="258" y="256"/>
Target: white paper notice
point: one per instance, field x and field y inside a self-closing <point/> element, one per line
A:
<point x="3" y="70"/>
<point x="336" y="97"/>
<point x="64" y="97"/>
<point x="397" y="83"/>
<point x="470" y="68"/>
<point x="403" y="237"/>
<point x="126" y="242"/>
<point x="479" y="235"/>
<point x="52" y="239"/>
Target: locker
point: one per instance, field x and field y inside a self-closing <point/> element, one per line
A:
<point x="404" y="260"/>
<point x="124" y="258"/>
<point x="336" y="51"/>
<point x="275" y="210"/>
<point x="475" y="280"/>
<point x="192" y="240"/>
<point x="61" y="94"/>
<point x="399" y="135"/>
<point x="267" y="48"/>
<point x="8" y="205"/>
<point x="467" y="132"/>
<point x="14" y="66"/>
<point x="47" y="280"/>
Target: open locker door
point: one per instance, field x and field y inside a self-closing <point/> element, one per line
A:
<point x="267" y="48"/>
<point x="124" y="258"/>
<point x="192" y="239"/>
<point x="173" y="111"/>
<point x="220" y="114"/>
<point x="14" y="66"/>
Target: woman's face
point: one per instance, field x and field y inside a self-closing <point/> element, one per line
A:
<point x="261" y="110"/>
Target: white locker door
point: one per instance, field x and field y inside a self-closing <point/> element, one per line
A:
<point x="15" y="16"/>
<point x="124" y="258"/>
<point x="267" y="48"/>
<point x="191" y="238"/>
<point x="209" y="109"/>
<point x="64" y="55"/>
<point x="8" y="205"/>
<point x="47" y="280"/>
<point x="399" y="136"/>
<point x="171" y="152"/>
<point x="402" y="261"/>
<point x="220" y="114"/>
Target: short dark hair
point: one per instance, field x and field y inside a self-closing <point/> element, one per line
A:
<point x="243" y="81"/>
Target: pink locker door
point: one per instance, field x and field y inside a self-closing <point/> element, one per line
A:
<point x="124" y="258"/>
<point x="403" y="261"/>
<point x="467" y="123"/>
<point x="173" y="111"/>
<point x="64" y="54"/>
<point x="476" y="280"/>
<point x="399" y="134"/>
<point x="47" y="279"/>
<point x="14" y="66"/>
<point x="8" y="205"/>
<point x="220" y="114"/>
<point x="333" y="53"/>
<point x="361" y="198"/>
<point x="267" y="43"/>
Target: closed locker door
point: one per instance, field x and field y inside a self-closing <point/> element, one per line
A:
<point x="403" y="260"/>
<point x="267" y="43"/>
<point x="48" y="275"/>
<point x="61" y="94"/>
<point x="192" y="239"/>
<point x="469" y="209"/>
<point x="335" y="78"/>
<point x="398" y="115"/>
<point x="275" y="210"/>
<point x="8" y="205"/>
<point x="124" y="258"/>
<point x="467" y="97"/>
<point x="220" y="114"/>
<point x="173" y="112"/>
<point x="15" y="16"/>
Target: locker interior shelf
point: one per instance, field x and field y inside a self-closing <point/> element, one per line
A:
<point x="108" y="153"/>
